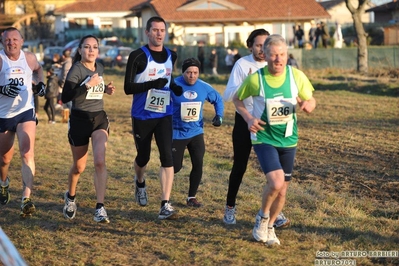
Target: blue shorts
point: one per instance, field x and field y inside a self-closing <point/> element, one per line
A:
<point x="10" y="124"/>
<point x="274" y="158"/>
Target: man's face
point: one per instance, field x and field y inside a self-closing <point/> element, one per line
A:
<point x="257" y="48"/>
<point x="157" y="33"/>
<point x="276" y="58"/>
<point x="191" y="75"/>
<point x="12" y="42"/>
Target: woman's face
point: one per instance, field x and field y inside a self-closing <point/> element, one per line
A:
<point x="89" y="50"/>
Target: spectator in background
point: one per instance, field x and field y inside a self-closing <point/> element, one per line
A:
<point x="292" y="61"/>
<point x="201" y="55"/>
<point x="299" y="36"/>
<point x="65" y="66"/>
<point x="325" y="36"/>
<point x="213" y="60"/>
<point x="236" y="55"/>
<point x="338" y="38"/>
<point x="318" y="35"/>
<point x="229" y="60"/>
<point x="51" y="95"/>
<point x="312" y="34"/>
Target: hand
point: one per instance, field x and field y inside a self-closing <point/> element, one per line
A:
<point x="39" y="89"/>
<point x="159" y="83"/>
<point x="10" y="90"/>
<point x="255" y="124"/>
<point x="177" y="90"/>
<point x="110" y="88"/>
<point x="217" y="121"/>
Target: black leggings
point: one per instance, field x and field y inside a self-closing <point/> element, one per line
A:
<point x="241" y="150"/>
<point x="161" y="129"/>
<point x="49" y="108"/>
<point x="196" y="149"/>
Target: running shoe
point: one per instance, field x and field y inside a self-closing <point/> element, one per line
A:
<point x="271" y="237"/>
<point x="193" y="203"/>
<point x="4" y="193"/>
<point x="100" y="216"/>
<point x="281" y="221"/>
<point x="167" y="212"/>
<point x="260" y="232"/>
<point x="140" y="194"/>
<point x="229" y="215"/>
<point x="70" y="207"/>
<point x="27" y="207"/>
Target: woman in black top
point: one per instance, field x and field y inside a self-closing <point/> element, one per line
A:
<point x="85" y="87"/>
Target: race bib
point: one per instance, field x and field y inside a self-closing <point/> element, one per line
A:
<point x="190" y="111"/>
<point x="96" y="92"/>
<point x="157" y="101"/>
<point x="279" y="111"/>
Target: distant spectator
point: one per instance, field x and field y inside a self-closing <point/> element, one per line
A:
<point x="318" y="35"/>
<point x="213" y="59"/>
<point x="65" y="66"/>
<point x="201" y="55"/>
<point x="338" y="38"/>
<point x="312" y="34"/>
<point x="51" y="95"/>
<point x="299" y="36"/>
<point x="324" y="34"/>
<point x="229" y="60"/>
<point x="292" y="61"/>
<point x="236" y="55"/>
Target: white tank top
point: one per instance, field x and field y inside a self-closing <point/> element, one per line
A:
<point x="19" y="74"/>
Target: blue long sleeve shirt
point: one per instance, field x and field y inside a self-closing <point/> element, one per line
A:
<point x="188" y="108"/>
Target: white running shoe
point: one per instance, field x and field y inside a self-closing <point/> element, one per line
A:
<point x="70" y="207"/>
<point x="260" y="229"/>
<point x="140" y="194"/>
<point x="100" y="216"/>
<point x="271" y="237"/>
<point x="229" y="215"/>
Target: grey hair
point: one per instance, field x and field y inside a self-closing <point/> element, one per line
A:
<point x="274" y="39"/>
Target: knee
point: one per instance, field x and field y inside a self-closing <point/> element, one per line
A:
<point x="78" y="169"/>
<point x="99" y="164"/>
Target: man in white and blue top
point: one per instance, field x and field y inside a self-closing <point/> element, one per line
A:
<point x="188" y="124"/>
<point x="277" y="91"/>
<point x="21" y="77"/>
<point x="149" y="78"/>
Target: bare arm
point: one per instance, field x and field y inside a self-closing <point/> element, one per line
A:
<point x="37" y="69"/>
<point x="254" y="124"/>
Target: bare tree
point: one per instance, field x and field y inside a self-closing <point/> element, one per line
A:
<point x="362" y="60"/>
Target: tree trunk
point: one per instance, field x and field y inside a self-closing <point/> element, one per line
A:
<point x="362" y="56"/>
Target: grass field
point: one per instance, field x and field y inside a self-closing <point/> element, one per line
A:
<point x="344" y="195"/>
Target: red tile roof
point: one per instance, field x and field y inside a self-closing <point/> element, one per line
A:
<point x="99" y="6"/>
<point x="254" y="10"/>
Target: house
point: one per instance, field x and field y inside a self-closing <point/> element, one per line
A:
<point x="340" y="13"/>
<point x="386" y="13"/>
<point x="215" y="22"/>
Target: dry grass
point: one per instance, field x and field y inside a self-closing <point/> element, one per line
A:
<point x="344" y="195"/>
